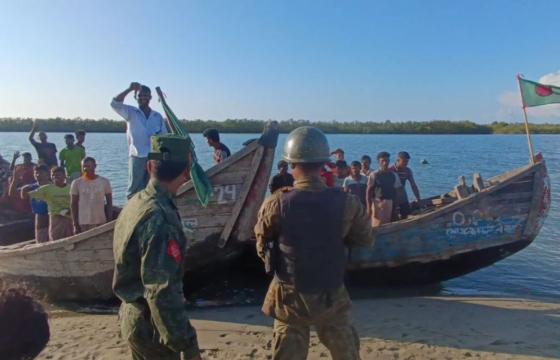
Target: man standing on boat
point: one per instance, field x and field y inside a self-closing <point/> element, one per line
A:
<point x="80" y="138"/>
<point x="301" y="235"/>
<point x="366" y="163"/>
<point x="405" y="174"/>
<point x="381" y="193"/>
<point x="141" y="123"/>
<point x="356" y="183"/>
<point x="91" y="198"/>
<point x="46" y="151"/>
<point x="221" y="152"/>
<point x="282" y="179"/>
<point x="39" y="207"/>
<point x="149" y="250"/>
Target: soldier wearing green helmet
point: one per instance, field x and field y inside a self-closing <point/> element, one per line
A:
<point x="301" y="236"/>
<point x="149" y="251"/>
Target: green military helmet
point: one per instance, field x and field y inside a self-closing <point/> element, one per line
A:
<point x="306" y="144"/>
<point x="169" y="147"/>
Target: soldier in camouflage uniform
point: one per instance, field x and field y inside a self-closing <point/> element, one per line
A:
<point x="301" y="235"/>
<point x="149" y="250"/>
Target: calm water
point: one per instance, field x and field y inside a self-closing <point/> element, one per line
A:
<point x="534" y="272"/>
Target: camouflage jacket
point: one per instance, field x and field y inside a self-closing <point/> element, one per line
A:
<point x="149" y="250"/>
<point x="282" y="301"/>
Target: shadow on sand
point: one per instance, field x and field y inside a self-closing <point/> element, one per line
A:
<point x="409" y="315"/>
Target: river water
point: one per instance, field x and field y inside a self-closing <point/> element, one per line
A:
<point x="534" y="272"/>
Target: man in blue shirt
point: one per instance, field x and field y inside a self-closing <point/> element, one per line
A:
<point x="141" y="123"/>
<point x="39" y="207"/>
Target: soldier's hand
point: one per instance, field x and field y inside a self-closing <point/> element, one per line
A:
<point x="16" y="155"/>
<point x="135" y="86"/>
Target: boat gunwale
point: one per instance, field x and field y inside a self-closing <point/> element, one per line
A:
<point x="513" y="175"/>
<point x="251" y="147"/>
<point x="525" y="236"/>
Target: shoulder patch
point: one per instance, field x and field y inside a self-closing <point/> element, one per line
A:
<point x="173" y="251"/>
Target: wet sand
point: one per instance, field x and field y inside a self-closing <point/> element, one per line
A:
<point x="390" y="328"/>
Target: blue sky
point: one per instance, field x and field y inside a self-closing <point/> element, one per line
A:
<point x="316" y="60"/>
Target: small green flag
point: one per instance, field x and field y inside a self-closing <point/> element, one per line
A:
<point x="535" y="94"/>
<point x="200" y="180"/>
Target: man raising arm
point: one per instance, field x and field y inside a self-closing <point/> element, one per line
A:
<point x="142" y="123"/>
<point x="46" y="151"/>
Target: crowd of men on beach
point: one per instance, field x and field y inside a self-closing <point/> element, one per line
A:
<point x="323" y="207"/>
<point x="68" y="197"/>
<point x="65" y="198"/>
<point x="381" y="191"/>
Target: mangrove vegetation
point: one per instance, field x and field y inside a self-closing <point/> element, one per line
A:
<point x="256" y="126"/>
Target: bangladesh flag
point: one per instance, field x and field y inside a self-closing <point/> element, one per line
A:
<point x="535" y="94"/>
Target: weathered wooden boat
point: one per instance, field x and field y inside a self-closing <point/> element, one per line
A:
<point x="461" y="233"/>
<point x="81" y="267"/>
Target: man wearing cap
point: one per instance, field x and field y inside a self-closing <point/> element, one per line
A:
<point x="301" y="235"/>
<point x="149" y="249"/>
<point x="141" y="123"/>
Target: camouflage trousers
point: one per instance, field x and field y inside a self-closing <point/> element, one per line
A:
<point x="138" y="331"/>
<point x="291" y="341"/>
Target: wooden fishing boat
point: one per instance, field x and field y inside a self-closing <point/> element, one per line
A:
<point x="460" y="232"/>
<point x="81" y="267"/>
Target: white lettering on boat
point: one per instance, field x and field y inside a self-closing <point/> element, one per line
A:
<point x="226" y="193"/>
<point x="189" y="224"/>
<point x="475" y="225"/>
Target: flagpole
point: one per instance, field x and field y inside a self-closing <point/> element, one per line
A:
<point x="529" y="141"/>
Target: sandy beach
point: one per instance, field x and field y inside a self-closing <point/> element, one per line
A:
<point x="390" y="328"/>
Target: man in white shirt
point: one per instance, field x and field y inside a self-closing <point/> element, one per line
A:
<point x="141" y="124"/>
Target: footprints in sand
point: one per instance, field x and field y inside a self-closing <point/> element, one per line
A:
<point x="245" y="344"/>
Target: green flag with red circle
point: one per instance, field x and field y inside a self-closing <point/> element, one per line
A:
<point x="536" y="94"/>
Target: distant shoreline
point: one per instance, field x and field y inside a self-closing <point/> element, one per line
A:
<point x="245" y="126"/>
<point x="328" y="133"/>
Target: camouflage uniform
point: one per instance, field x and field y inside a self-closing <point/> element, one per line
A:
<point x="149" y="250"/>
<point x="328" y="310"/>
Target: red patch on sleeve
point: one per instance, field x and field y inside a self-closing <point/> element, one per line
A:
<point x="173" y="251"/>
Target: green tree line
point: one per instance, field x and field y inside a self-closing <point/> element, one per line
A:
<point x="256" y="126"/>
